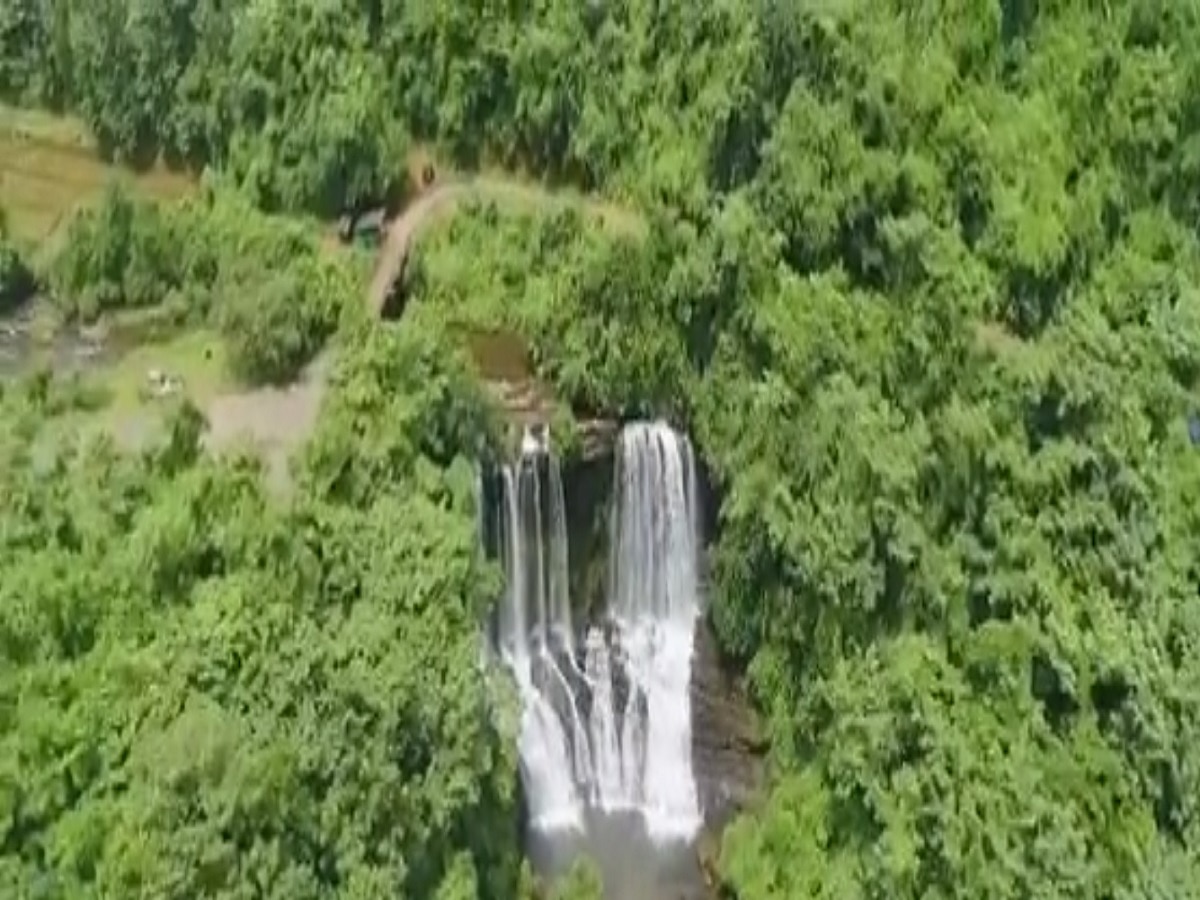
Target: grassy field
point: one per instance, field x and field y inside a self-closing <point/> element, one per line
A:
<point x="49" y="166"/>
<point x="195" y="357"/>
<point x="120" y="404"/>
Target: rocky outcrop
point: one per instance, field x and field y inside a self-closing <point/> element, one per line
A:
<point x="728" y="745"/>
<point x="504" y="365"/>
<point x="529" y="403"/>
<point x="588" y="485"/>
<point x="708" y="852"/>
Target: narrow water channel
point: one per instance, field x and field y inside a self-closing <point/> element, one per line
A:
<point x="23" y="346"/>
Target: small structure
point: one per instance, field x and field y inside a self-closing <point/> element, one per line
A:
<point x="366" y="227"/>
<point x="160" y="384"/>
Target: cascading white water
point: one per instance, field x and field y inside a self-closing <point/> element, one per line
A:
<point x="632" y="750"/>
<point x="551" y="762"/>
<point x="654" y="602"/>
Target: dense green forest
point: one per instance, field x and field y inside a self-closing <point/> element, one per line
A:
<point x="921" y="278"/>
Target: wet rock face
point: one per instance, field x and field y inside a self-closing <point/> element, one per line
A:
<point x="588" y="486"/>
<point x="728" y="745"/>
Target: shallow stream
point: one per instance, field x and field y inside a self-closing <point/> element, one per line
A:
<point x="24" y="345"/>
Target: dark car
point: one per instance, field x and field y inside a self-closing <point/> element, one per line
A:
<point x="367" y="227"/>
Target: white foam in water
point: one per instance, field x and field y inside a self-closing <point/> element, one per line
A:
<point x="633" y="750"/>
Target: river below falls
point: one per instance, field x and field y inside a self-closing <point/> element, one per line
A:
<point x="632" y="866"/>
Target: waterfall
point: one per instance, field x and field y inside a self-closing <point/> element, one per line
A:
<point x="653" y="601"/>
<point x="553" y="758"/>
<point x="610" y="733"/>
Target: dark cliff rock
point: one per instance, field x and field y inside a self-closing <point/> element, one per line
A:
<point x="588" y="487"/>
<point x="728" y="746"/>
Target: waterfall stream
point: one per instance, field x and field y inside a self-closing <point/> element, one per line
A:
<point x="606" y="727"/>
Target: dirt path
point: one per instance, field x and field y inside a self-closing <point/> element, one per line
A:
<point x="273" y="419"/>
<point x="277" y="420"/>
<point x="443" y="198"/>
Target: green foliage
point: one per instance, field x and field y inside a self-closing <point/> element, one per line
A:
<point x="371" y="437"/>
<point x="921" y="280"/>
<point x="954" y="544"/>
<point x="16" y="281"/>
<point x="30" y="70"/>
<point x="206" y="693"/>
<point x="275" y="322"/>
<point x="585" y="296"/>
<point x="582" y="882"/>
<point x="265" y="282"/>
<point x="311" y="103"/>
<point x="122" y="254"/>
<point x="288" y="95"/>
<point x="312" y="129"/>
<point x="52" y="396"/>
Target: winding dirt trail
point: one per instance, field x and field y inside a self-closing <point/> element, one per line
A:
<point x="443" y="199"/>
<point x="277" y="420"/>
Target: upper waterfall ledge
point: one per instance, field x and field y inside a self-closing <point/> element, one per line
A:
<point x="528" y="405"/>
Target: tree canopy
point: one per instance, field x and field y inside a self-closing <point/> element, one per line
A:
<point x="921" y="280"/>
<point x="206" y="694"/>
